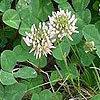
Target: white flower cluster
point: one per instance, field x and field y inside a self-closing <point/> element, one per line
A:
<point x="89" y="46"/>
<point x="39" y="40"/>
<point x="62" y="24"/>
<point x="42" y="38"/>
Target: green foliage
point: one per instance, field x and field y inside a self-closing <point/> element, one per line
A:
<point x="89" y="35"/>
<point x="26" y="72"/>
<point x="45" y="9"/>
<point x="57" y="96"/>
<point x="86" y="58"/>
<point x="15" y="91"/>
<point x="37" y="10"/>
<point x="36" y="62"/>
<point x="62" y="50"/>
<point x="60" y="1"/>
<point x="89" y="77"/>
<point x="80" y="4"/>
<point x="11" y="18"/>
<point x="35" y="97"/>
<point x="75" y="39"/>
<point x="33" y="84"/>
<point x="5" y="5"/>
<point x="89" y="31"/>
<point x="45" y="95"/>
<point x="67" y="70"/>
<point x="55" y="76"/>
<point x="85" y="15"/>
<point x="65" y="6"/>
<point x="21" y="54"/>
<point x="8" y="60"/>
<point x="96" y="97"/>
<point x="96" y="5"/>
<point x="7" y="78"/>
<point x="1" y="91"/>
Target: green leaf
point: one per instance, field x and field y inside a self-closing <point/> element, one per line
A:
<point x="54" y="96"/>
<point x="45" y="95"/>
<point x="98" y="50"/>
<point x="15" y="91"/>
<point x="24" y="46"/>
<point x="29" y="6"/>
<point x="38" y="10"/>
<point x="66" y="6"/>
<point x="88" y="77"/>
<point x="70" y="69"/>
<point x="1" y="92"/>
<point x="11" y="18"/>
<point x="26" y="72"/>
<point x="86" y="58"/>
<point x="27" y="23"/>
<point x="96" y="5"/>
<point x="57" y="96"/>
<point x="77" y="37"/>
<point x="35" y="97"/>
<point x="85" y="15"/>
<point x="96" y="97"/>
<point x="62" y="65"/>
<point x="60" y="1"/>
<point x="34" y="84"/>
<point x="3" y="42"/>
<point x="45" y="9"/>
<point x="7" y="78"/>
<point x="34" y="5"/>
<point x="55" y="76"/>
<point x="80" y="4"/>
<point x="80" y="24"/>
<point x="21" y="54"/>
<point x="8" y="60"/>
<point x="28" y="10"/>
<point x="35" y="61"/>
<point x="22" y="4"/>
<point x="9" y="32"/>
<point x="91" y="33"/>
<point x="24" y="27"/>
<point x="5" y="5"/>
<point x="97" y="24"/>
<point x="62" y="50"/>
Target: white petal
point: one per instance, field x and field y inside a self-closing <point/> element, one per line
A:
<point x="27" y="41"/>
<point x="40" y="25"/>
<point x="72" y="19"/>
<point x="31" y="50"/>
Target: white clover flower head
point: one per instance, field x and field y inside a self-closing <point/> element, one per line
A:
<point x="61" y="24"/>
<point x="39" y="40"/>
<point x="89" y="46"/>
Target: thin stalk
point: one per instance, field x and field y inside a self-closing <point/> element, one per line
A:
<point x="40" y="70"/>
<point x="64" y="58"/>
<point x="48" y="79"/>
<point x="42" y="85"/>
<point x="39" y="67"/>
<point x="98" y="78"/>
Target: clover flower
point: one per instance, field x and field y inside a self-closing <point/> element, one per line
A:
<point x="61" y="24"/>
<point x="39" y="40"/>
<point x="89" y="46"/>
